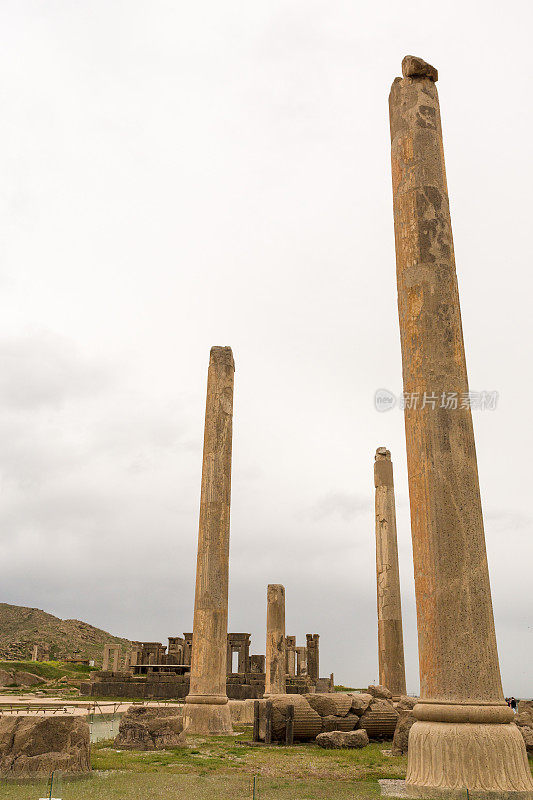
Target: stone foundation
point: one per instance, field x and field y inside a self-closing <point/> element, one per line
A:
<point x="250" y="686"/>
<point x="480" y="757"/>
<point x="210" y="718"/>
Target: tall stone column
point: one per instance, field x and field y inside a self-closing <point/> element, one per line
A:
<point x="275" y="640"/>
<point x="206" y="707"/>
<point x="313" y="667"/>
<point x="390" y="635"/>
<point x="463" y="736"/>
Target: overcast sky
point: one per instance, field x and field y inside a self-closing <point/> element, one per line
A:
<point x="180" y="175"/>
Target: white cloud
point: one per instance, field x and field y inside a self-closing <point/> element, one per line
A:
<point x="182" y="175"/>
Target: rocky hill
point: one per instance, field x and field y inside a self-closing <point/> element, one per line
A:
<point x="21" y="628"/>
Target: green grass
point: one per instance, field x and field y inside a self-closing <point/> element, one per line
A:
<point x="223" y="768"/>
<point x="235" y="755"/>
<point x="51" y="670"/>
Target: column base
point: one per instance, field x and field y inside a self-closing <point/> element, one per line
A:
<point x="207" y="719"/>
<point x="396" y="788"/>
<point x="484" y="758"/>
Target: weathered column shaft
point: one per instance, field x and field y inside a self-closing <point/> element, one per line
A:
<point x="301" y="660"/>
<point x="390" y="634"/>
<point x="459" y="671"/>
<point x="206" y="709"/>
<point x="313" y="666"/>
<point x="275" y="640"/>
<point x="290" y="663"/>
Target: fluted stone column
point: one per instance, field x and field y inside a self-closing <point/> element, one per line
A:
<point x="463" y="736"/>
<point x="390" y="635"/>
<point x="275" y="640"/>
<point x="206" y="707"/>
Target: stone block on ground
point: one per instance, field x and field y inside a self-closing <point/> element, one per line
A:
<point x="242" y="711"/>
<point x="400" y="741"/>
<point x="336" y="704"/>
<point x="333" y="723"/>
<point x="380" y="691"/>
<point x="379" y="720"/>
<point x="150" y="728"/>
<point x="307" y="723"/>
<point x="336" y="740"/>
<point x="33" y="747"/>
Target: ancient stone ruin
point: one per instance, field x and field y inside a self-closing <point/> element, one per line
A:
<point x="152" y="670"/>
<point x="33" y="746"/>
<point x="463" y="736"/>
<point x="276" y="657"/>
<point x="150" y="728"/>
<point x="390" y="634"/>
<point x="206" y="708"/>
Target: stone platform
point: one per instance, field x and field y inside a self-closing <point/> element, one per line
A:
<point x="166" y="686"/>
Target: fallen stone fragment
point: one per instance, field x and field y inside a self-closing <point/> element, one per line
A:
<point x="400" y="741"/>
<point x="330" y="704"/>
<point x="337" y="740"/>
<point x="334" y="723"/>
<point x="150" y="728"/>
<point x="380" y="691"/>
<point x="380" y="719"/>
<point x="406" y="703"/>
<point x="360" y="702"/>
<point x="307" y="723"/>
<point x="33" y="747"/>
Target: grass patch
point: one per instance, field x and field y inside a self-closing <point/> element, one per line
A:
<point x="223" y="767"/>
<point x="51" y="670"/>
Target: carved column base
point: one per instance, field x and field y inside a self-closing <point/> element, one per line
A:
<point x="462" y="755"/>
<point x="207" y="719"/>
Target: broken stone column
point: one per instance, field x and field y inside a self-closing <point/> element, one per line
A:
<point x="206" y="707"/>
<point x="390" y="636"/>
<point x="312" y="655"/>
<point x="290" y="664"/>
<point x="275" y="640"/>
<point x="301" y="660"/>
<point x="462" y="736"/>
